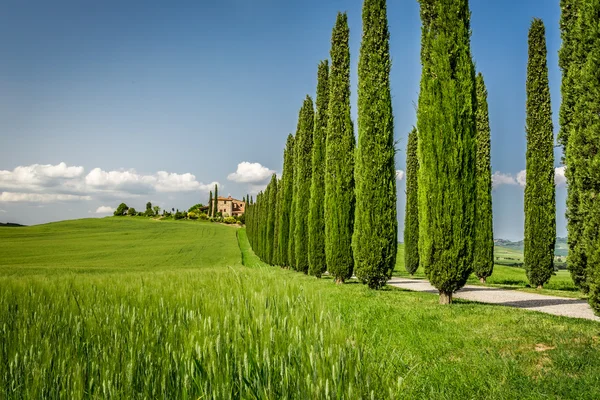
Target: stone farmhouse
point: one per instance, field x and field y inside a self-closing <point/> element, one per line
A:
<point x="229" y="206"/>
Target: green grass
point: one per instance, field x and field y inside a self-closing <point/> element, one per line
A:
<point x="148" y="319"/>
<point x="505" y="277"/>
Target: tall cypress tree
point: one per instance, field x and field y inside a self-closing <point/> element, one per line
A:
<point x="446" y="146"/>
<point x="316" y="216"/>
<point x="375" y="237"/>
<point x="276" y="260"/>
<point x="270" y="214"/>
<point x="216" y="204"/>
<point x="411" y="218"/>
<point x="571" y="59"/>
<point x="484" y="230"/>
<point x="584" y="146"/>
<point x="540" y="204"/>
<point x="339" y="166"/>
<point x="302" y="180"/>
<point x="210" y="204"/>
<point x="286" y="206"/>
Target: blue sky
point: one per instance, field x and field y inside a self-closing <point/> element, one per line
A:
<point x="143" y="101"/>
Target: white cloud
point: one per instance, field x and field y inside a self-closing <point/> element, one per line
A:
<point x="46" y="183"/>
<point x="559" y="176"/>
<point x="12" y="197"/>
<point x="2" y="211"/>
<point x="522" y="178"/>
<point x="38" y="177"/>
<point x="133" y="183"/>
<point x="399" y="174"/>
<point x="105" y="210"/>
<point x="250" y="173"/>
<point x="499" y="179"/>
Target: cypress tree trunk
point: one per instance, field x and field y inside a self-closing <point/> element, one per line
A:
<point x="302" y="180"/>
<point x="339" y="167"/>
<point x="584" y="146"/>
<point x="271" y="208"/>
<point x="210" y="204"/>
<point x="216" y="204"/>
<point x="446" y="146"/>
<point x="316" y="217"/>
<point x="484" y="230"/>
<point x="286" y="207"/>
<point x="411" y="218"/>
<point x="540" y="205"/>
<point x="375" y="238"/>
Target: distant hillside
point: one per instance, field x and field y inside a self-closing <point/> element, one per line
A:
<point x="8" y="224"/>
<point x="560" y="249"/>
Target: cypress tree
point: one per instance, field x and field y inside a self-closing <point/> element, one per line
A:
<point x="339" y="166"/>
<point x="584" y="146"/>
<point x="446" y="146"/>
<point x="540" y="205"/>
<point x="286" y="206"/>
<point x="271" y="216"/>
<point x="276" y="260"/>
<point x="483" y="264"/>
<point x="375" y="237"/>
<point x="411" y="218"/>
<point x="316" y="216"/>
<point x="302" y="180"/>
<point x="571" y="58"/>
<point x="210" y="204"/>
<point x="291" y="235"/>
<point x="216" y="204"/>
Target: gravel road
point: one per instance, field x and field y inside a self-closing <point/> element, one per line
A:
<point x="574" y="308"/>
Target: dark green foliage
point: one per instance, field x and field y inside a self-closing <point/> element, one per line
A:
<point x="375" y="237"/>
<point x="316" y="216"/>
<point x="572" y="57"/>
<point x="302" y="181"/>
<point x="483" y="263"/>
<point x="216" y="204"/>
<point x="271" y="217"/>
<point x="540" y="204"/>
<point x="411" y="218"/>
<point x="567" y="58"/>
<point x="121" y="210"/>
<point x="286" y="206"/>
<point x="275" y="260"/>
<point x="339" y="167"/>
<point x="583" y="152"/>
<point x="131" y="211"/>
<point x="446" y="146"/>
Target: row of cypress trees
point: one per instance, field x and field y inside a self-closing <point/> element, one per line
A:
<point x="579" y="134"/>
<point x="334" y="208"/>
<point x="448" y="224"/>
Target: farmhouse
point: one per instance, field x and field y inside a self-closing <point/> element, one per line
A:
<point x="229" y="206"/>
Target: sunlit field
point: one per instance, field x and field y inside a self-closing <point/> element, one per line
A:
<point x="136" y="308"/>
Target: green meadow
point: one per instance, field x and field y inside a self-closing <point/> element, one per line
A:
<point x="137" y="308"/>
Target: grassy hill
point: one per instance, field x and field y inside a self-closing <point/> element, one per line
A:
<point x="129" y="308"/>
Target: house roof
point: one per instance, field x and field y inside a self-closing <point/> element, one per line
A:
<point x="229" y="199"/>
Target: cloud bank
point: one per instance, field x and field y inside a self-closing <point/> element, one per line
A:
<point x="56" y="183"/>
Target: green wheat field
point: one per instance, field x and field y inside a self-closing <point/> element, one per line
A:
<point x="130" y="308"/>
